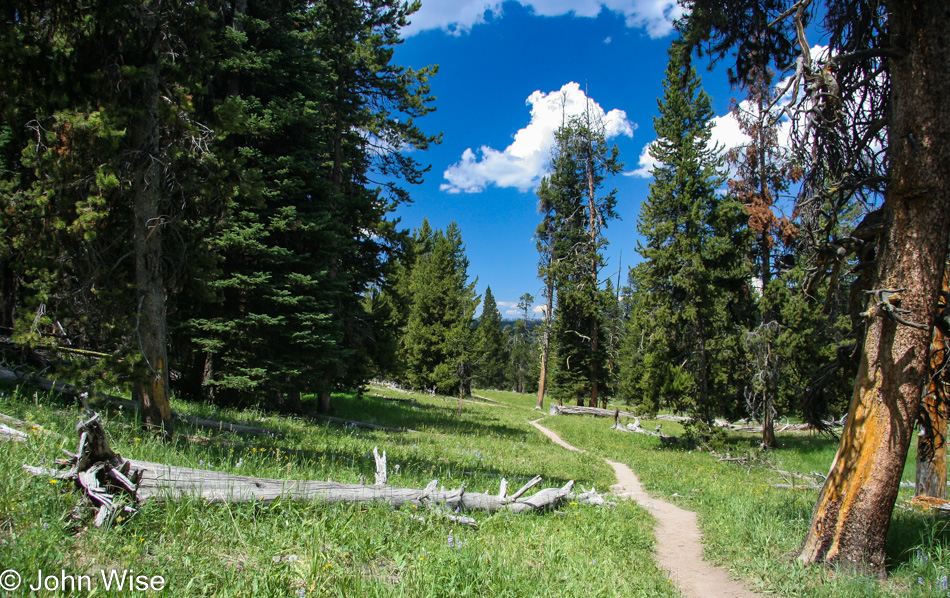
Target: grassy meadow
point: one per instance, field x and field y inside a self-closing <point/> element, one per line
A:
<point x="311" y="549"/>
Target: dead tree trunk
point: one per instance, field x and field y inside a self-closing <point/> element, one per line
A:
<point x="546" y="342"/>
<point x="106" y="478"/>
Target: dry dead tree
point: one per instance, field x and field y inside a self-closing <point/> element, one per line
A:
<point x="113" y="484"/>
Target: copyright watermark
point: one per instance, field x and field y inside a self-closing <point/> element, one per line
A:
<point x="125" y="580"/>
<point x="10" y="580"/>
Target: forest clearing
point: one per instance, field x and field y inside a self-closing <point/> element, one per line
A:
<point x="275" y="368"/>
<point x="751" y="510"/>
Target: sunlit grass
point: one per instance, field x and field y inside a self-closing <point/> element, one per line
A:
<point x="311" y="549"/>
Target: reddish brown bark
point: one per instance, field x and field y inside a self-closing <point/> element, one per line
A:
<point x="931" y="475"/>
<point x="850" y="521"/>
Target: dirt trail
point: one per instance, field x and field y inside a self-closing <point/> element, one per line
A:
<point x="679" y="547"/>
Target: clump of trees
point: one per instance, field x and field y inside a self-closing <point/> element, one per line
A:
<point x="196" y="176"/>
<point x="571" y="239"/>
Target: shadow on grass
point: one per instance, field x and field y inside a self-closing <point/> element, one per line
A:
<point x="225" y="449"/>
<point x="422" y="416"/>
<point x="917" y="538"/>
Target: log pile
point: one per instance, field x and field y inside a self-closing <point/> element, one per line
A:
<point x="113" y="484"/>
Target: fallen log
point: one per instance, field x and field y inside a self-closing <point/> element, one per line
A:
<point x="637" y="428"/>
<point x="11" y="435"/>
<point x="673" y="418"/>
<point x="105" y="478"/>
<point x="595" y="411"/>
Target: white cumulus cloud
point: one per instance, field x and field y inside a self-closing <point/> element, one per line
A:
<point x="459" y="16"/>
<point x="522" y="164"/>
<point x="726" y="135"/>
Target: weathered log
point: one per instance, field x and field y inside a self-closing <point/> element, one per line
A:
<point x="104" y="475"/>
<point x="639" y="429"/>
<point x="673" y="418"/>
<point x="595" y="411"/>
<point x="11" y="435"/>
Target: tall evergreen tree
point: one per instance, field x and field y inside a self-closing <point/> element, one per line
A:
<point x="490" y="346"/>
<point x="315" y="106"/>
<point x="522" y="349"/>
<point x="694" y="274"/>
<point x="438" y="341"/>
<point x="576" y="215"/>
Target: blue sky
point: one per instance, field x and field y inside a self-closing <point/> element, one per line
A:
<point x="503" y="69"/>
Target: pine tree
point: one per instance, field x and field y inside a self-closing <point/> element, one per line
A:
<point x="522" y="349"/>
<point x="312" y="95"/>
<point x="575" y="216"/>
<point x="490" y="349"/>
<point x="694" y="277"/>
<point x="438" y="342"/>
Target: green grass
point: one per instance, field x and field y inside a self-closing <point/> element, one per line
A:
<point x="311" y="549"/>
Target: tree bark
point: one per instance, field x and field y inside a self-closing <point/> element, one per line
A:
<point x="546" y="342"/>
<point x="150" y="387"/>
<point x="931" y="478"/>
<point x="850" y="521"/>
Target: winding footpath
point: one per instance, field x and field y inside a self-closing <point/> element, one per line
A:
<point x="679" y="547"/>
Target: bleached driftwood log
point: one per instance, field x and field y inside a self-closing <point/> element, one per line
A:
<point x="105" y="477"/>
<point x="11" y="434"/>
